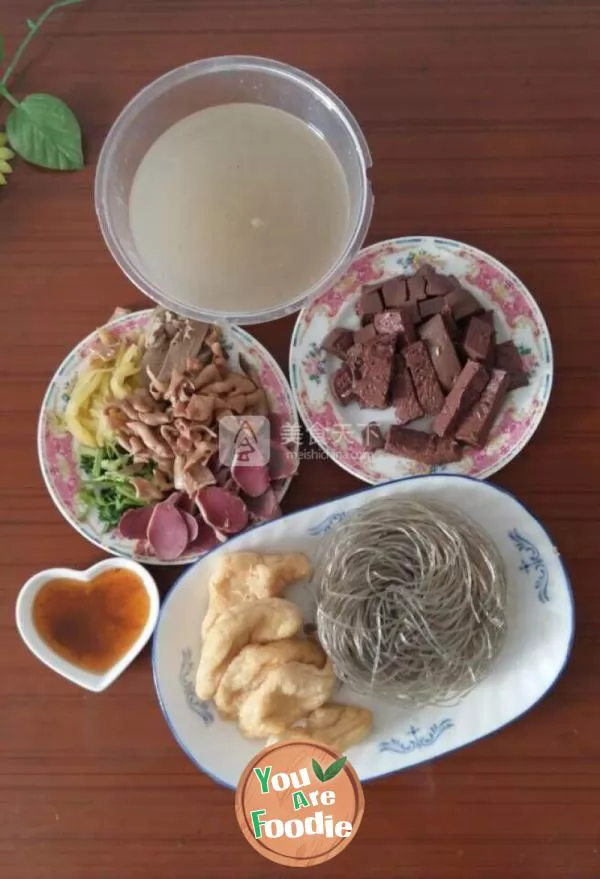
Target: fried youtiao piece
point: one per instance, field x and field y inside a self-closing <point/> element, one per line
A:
<point x="268" y="619"/>
<point x="286" y="694"/>
<point x="245" y="576"/>
<point x="249" y="668"/>
<point x="336" y="725"/>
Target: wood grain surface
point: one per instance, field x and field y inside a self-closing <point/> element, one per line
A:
<point x="483" y="117"/>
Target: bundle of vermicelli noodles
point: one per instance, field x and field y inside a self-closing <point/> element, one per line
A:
<point x="411" y="601"/>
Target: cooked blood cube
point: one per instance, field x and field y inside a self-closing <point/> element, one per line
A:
<point x="337" y="341"/>
<point x="403" y="397"/>
<point x="462" y="303"/>
<point x="372" y="437"/>
<point x="476" y="427"/>
<point x="370" y="302"/>
<point x="365" y="334"/>
<point x="371" y="368"/>
<point x="429" y="307"/>
<point x="341" y="386"/>
<point x="479" y="339"/>
<point x="441" y="350"/>
<point x="436" y="284"/>
<point x="394" y="292"/>
<point x="427" y="387"/>
<point x="399" y="323"/>
<point x="417" y="286"/>
<point x="507" y="358"/>
<point x="420" y="446"/>
<point x="466" y="391"/>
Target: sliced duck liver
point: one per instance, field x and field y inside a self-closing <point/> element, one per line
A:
<point x="427" y="388"/>
<point x="372" y="437"/>
<point x="476" y="427"/>
<point x="507" y="358"/>
<point x="466" y="391"/>
<point x="337" y="341"/>
<point x="422" y="447"/>
<point x="479" y="339"/>
<point x="441" y="350"/>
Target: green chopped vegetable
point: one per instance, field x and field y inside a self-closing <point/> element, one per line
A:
<point x="107" y="488"/>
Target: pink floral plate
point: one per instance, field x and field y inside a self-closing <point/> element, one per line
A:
<point x="58" y="452"/>
<point x="337" y="430"/>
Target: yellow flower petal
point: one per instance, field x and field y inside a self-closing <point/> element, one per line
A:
<point x="5" y="167"/>
<point x="5" y="153"/>
<point x="2" y="180"/>
<point x="3" y="139"/>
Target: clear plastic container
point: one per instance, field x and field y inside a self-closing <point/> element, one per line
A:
<point x="207" y="83"/>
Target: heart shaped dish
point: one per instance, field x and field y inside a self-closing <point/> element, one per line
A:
<point x="88" y="626"/>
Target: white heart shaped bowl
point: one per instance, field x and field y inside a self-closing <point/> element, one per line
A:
<point x="28" y="632"/>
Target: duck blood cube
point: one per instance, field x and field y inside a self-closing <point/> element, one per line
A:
<point x="436" y="284"/>
<point x="394" y="292"/>
<point x="417" y="286"/>
<point x="422" y="447"/>
<point x="462" y="303"/>
<point x="370" y="302"/>
<point x="479" y="340"/>
<point x="399" y="323"/>
<point x="441" y="350"/>
<point x="365" y="334"/>
<point x="372" y="437"/>
<point x="427" y="388"/>
<point x="507" y="358"/>
<point x="464" y="394"/>
<point x="338" y="341"/>
<point x="371" y="367"/>
<point x="476" y="427"/>
<point x="341" y="386"/>
<point x="429" y="307"/>
<point x="403" y="397"/>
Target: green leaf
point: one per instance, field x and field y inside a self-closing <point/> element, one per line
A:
<point x="43" y="131"/>
<point x="317" y="770"/>
<point x="335" y="768"/>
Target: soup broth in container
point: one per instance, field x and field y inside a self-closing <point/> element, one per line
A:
<point x="244" y="207"/>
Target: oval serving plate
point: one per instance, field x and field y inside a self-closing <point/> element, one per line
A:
<point x="540" y="633"/>
<point x="337" y="430"/>
<point x="57" y="452"/>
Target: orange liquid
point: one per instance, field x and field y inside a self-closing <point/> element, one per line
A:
<point x="92" y="625"/>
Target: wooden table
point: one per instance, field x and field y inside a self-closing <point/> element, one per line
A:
<point x="483" y="117"/>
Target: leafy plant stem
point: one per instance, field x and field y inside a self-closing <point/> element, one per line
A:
<point x="6" y="94"/>
<point x="33" y="29"/>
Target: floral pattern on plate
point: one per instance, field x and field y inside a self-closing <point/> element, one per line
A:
<point x="57" y="450"/>
<point x="337" y="430"/>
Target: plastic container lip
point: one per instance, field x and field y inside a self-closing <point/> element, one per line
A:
<point x="229" y="63"/>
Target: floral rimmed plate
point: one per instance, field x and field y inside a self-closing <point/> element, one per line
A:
<point x="57" y="450"/>
<point x="337" y="430"/>
<point x="539" y="636"/>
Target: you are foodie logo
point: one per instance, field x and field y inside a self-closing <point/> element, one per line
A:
<point x="299" y="803"/>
